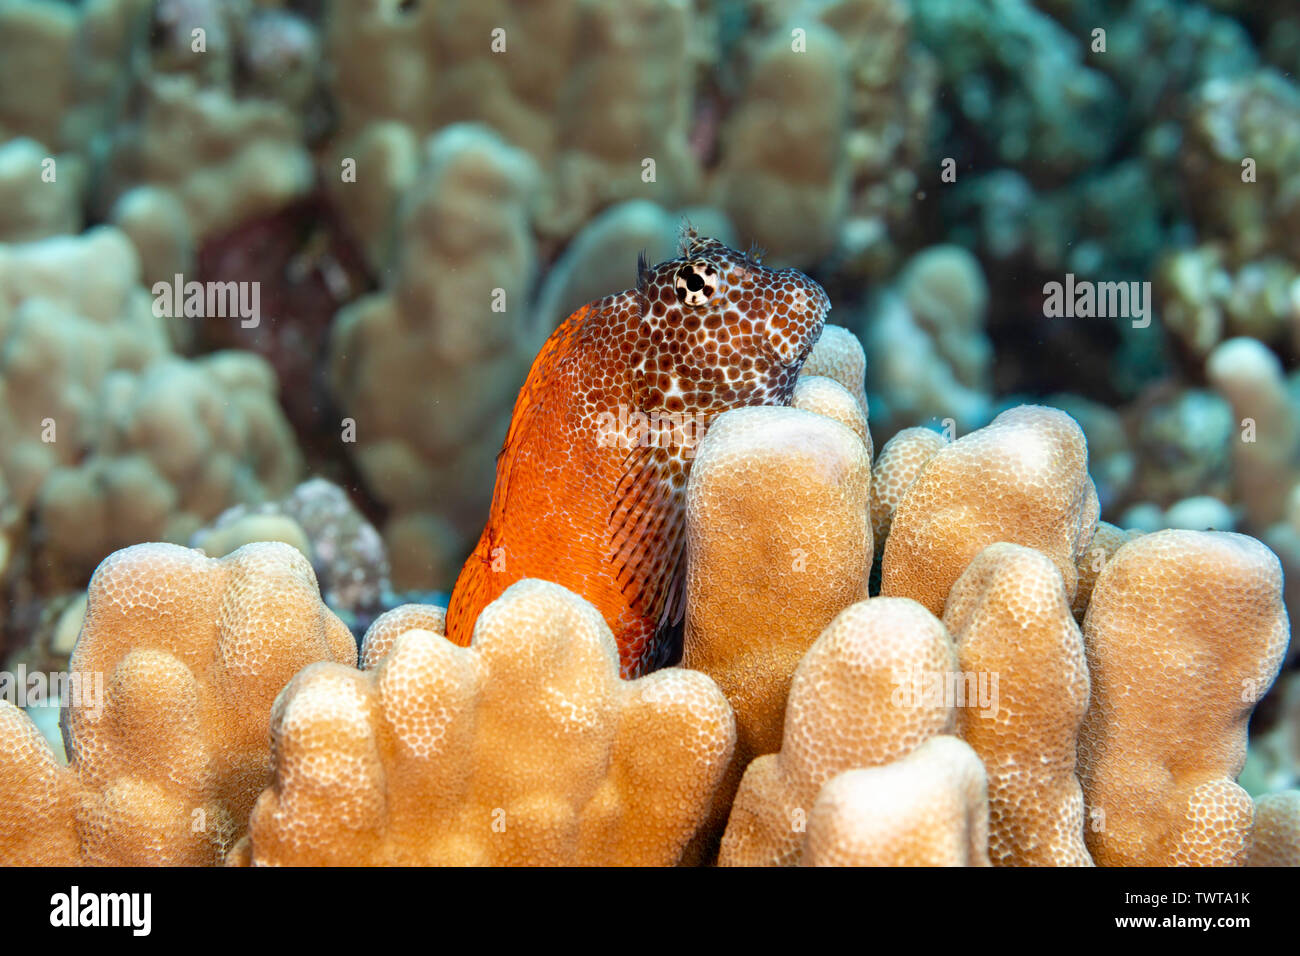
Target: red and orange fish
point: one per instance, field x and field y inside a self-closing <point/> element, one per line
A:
<point x="591" y="480"/>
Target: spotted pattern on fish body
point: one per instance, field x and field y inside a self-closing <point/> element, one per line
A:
<point x="591" y="481"/>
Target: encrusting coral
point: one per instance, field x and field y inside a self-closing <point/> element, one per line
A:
<point x="1025" y="683"/>
<point x="1031" y="466"/>
<point x="860" y="697"/>
<point x="320" y="520"/>
<point x="929" y="808"/>
<point x="1174" y="679"/>
<point x="167" y="729"/>
<point x="524" y="748"/>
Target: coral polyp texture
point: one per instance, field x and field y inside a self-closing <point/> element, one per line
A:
<point x="838" y="355"/>
<point x="1106" y="540"/>
<point x="900" y="461"/>
<point x="1160" y="656"/>
<point x="524" y="748"/>
<point x="1275" y="839"/>
<point x="827" y="397"/>
<point x="797" y="483"/>
<point x="178" y="662"/>
<point x="384" y="631"/>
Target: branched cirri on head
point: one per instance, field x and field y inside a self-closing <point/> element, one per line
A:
<point x="591" y="480"/>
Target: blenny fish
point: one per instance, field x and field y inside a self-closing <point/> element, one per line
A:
<point x="591" y="481"/>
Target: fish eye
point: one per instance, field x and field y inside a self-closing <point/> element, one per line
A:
<point x="695" y="283"/>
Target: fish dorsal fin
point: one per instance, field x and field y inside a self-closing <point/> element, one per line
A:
<point x="559" y="350"/>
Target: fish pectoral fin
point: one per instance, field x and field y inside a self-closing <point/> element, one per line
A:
<point x="647" y="537"/>
<point x="671" y="627"/>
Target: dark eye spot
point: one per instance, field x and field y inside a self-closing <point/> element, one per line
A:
<point x="695" y="283"/>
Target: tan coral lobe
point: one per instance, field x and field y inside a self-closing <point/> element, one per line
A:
<point x="1250" y="376"/>
<point x="853" y="703"/>
<point x="901" y="460"/>
<point x="838" y="355"/>
<point x="384" y="630"/>
<point x="780" y="542"/>
<point x="190" y="652"/>
<point x="929" y="808"/>
<point x="1025" y="678"/>
<point x="38" y="797"/>
<point x="1106" y="540"/>
<point x="1175" y="677"/>
<point x="1275" y="838"/>
<point x="827" y="397"/>
<point x="525" y="748"/>
<point x="1023" y="478"/>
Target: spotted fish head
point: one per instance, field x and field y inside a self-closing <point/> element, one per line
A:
<point x="722" y="330"/>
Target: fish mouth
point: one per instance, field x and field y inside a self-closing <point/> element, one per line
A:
<point x="814" y="339"/>
<point x="791" y="333"/>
